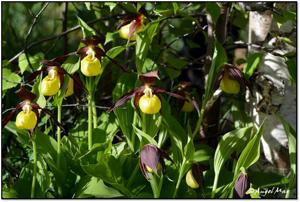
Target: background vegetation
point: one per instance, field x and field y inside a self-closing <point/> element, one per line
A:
<point x="183" y="41"/>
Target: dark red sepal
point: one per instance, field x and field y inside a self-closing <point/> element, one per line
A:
<point x="24" y="94"/>
<point x="124" y="99"/>
<point x="149" y="78"/>
<point x="92" y="40"/>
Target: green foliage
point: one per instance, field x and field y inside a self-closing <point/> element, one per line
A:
<point x="143" y="43"/>
<point x="34" y="61"/>
<point x="96" y="154"/>
<point x="252" y="63"/>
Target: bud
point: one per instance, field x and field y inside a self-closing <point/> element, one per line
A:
<point x="241" y="186"/>
<point x="151" y="160"/>
<point x="194" y="177"/>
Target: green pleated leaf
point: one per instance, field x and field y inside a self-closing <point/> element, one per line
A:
<point x="251" y="152"/>
<point x="233" y="141"/>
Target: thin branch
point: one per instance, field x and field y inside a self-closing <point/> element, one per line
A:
<point x="50" y="38"/>
<point x="35" y="19"/>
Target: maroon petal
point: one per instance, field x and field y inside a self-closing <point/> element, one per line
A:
<point x="134" y="25"/>
<point x="33" y="75"/>
<point x="50" y="64"/>
<point x="149" y="78"/>
<point x="82" y="52"/>
<point x="157" y="90"/>
<point x="219" y="78"/>
<point x="24" y="94"/>
<point x="99" y="52"/>
<point x="6" y="119"/>
<point x="137" y="96"/>
<point x="194" y="102"/>
<point x="197" y="172"/>
<point x="123" y="100"/>
<point x="92" y="40"/>
<point x="126" y="20"/>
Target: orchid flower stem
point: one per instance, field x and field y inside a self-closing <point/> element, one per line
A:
<point x="144" y="124"/>
<point x="90" y="87"/>
<point x="179" y="178"/>
<point x="94" y="112"/>
<point x="34" y="167"/>
<point x="90" y="122"/>
<point x="58" y="157"/>
<point x="156" y="188"/>
<point x="132" y="143"/>
<point x="214" y="186"/>
<point x="58" y="136"/>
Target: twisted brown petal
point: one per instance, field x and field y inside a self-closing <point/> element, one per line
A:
<point x="149" y="78"/>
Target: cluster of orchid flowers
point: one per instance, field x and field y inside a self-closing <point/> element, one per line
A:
<point x="146" y="97"/>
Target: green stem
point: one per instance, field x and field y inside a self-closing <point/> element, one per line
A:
<point x="94" y="112"/>
<point x="215" y="186"/>
<point x="58" y="160"/>
<point x="179" y="178"/>
<point x="185" y="118"/>
<point x="154" y="185"/>
<point x="58" y="136"/>
<point x="144" y="124"/>
<point x="34" y="167"/>
<point x="198" y="123"/>
<point x="288" y="194"/>
<point x="133" y="133"/>
<point x="90" y="122"/>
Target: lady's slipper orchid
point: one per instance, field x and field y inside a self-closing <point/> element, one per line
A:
<point x="189" y="104"/>
<point x="29" y="115"/>
<point x="91" y="56"/>
<point x="145" y="96"/>
<point x="194" y="177"/>
<point x="231" y="79"/>
<point x="131" y="26"/>
<point x="53" y="82"/>
<point x="152" y="160"/>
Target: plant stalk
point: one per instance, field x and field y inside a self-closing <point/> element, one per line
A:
<point x="215" y="186"/>
<point x="154" y="185"/>
<point x="94" y="112"/>
<point x="58" y="136"/>
<point x="90" y="122"/>
<point x="34" y="168"/>
<point x="179" y="178"/>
